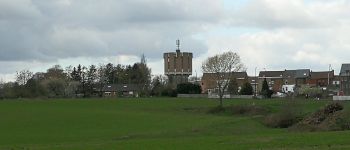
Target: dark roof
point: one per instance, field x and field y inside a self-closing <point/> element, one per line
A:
<point x="238" y="75"/>
<point x="322" y="75"/>
<point x="274" y="74"/>
<point x="299" y="73"/>
<point x="302" y="73"/>
<point x="289" y="73"/>
<point x="121" y="87"/>
<point x="345" y="68"/>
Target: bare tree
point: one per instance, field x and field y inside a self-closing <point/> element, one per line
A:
<point x="23" y="76"/>
<point x="222" y="66"/>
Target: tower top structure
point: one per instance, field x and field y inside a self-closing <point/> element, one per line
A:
<point x="178" y="45"/>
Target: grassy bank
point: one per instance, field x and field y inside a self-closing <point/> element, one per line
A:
<point x="151" y="123"/>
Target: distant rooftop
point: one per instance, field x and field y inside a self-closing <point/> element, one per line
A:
<point x="345" y="70"/>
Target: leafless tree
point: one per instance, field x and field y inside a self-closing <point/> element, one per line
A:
<point x="222" y="66"/>
<point x="23" y="76"/>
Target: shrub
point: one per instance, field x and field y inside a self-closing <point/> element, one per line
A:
<point x="310" y="91"/>
<point x="247" y="110"/>
<point x="169" y="92"/>
<point x="247" y="89"/>
<point x="217" y="109"/>
<point x="188" y="88"/>
<point x="283" y="119"/>
<point x="288" y="115"/>
<point x="344" y="121"/>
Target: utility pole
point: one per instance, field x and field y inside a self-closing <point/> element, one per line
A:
<point x="196" y="76"/>
<point x="255" y="85"/>
<point x="329" y="70"/>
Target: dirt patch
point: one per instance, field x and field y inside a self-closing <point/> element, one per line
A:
<point x="332" y="117"/>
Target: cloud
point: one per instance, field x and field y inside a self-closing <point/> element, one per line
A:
<point x="271" y="34"/>
<point x="51" y="30"/>
<point x="272" y="14"/>
<point x="288" y="48"/>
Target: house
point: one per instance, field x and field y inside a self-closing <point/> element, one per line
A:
<point x="123" y="90"/>
<point x="344" y="78"/>
<point x="344" y="70"/>
<point x="334" y="86"/>
<point x="208" y="81"/>
<point x="321" y="79"/>
<point x="273" y="78"/>
<point x="289" y="77"/>
<point x="296" y="77"/>
<point x="301" y="76"/>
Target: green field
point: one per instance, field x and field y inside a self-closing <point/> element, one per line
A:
<point x="151" y="123"/>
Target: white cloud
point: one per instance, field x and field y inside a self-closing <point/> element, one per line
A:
<point x="277" y="34"/>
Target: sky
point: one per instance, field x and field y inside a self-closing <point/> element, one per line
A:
<point x="267" y="34"/>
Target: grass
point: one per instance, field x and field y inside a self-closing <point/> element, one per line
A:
<point x="151" y="123"/>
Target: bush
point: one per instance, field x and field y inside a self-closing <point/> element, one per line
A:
<point x="169" y="92"/>
<point x="188" y="88"/>
<point x="247" y="110"/>
<point x="310" y="91"/>
<point x="284" y="119"/>
<point x="217" y="109"/>
<point x="247" y="89"/>
<point x="288" y="115"/>
<point x="240" y="110"/>
<point x="343" y="122"/>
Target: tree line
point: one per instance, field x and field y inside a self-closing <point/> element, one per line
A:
<point x="77" y="81"/>
<point x="89" y="81"/>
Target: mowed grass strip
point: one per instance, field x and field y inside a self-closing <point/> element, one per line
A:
<point x="150" y="123"/>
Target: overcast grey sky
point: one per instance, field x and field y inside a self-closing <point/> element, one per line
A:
<point x="271" y="34"/>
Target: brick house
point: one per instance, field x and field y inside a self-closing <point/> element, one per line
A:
<point x="273" y="78"/>
<point x="208" y="81"/>
<point x="321" y="79"/>
<point x="301" y="76"/>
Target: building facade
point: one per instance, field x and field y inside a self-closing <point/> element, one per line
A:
<point x="344" y="78"/>
<point x="208" y="81"/>
<point x="273" y="78"/>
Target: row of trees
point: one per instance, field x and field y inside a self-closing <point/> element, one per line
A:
<point x="81" y="81"/>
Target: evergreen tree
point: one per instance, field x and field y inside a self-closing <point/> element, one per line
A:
<point x="265" y="91"/>
<point x="247" y="89"/>
<point x="109" y="73"/>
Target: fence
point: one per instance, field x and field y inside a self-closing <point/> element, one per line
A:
<point x="231" y="96"/>
<point x="341" y="98"/>
<point x="192" y="95"/>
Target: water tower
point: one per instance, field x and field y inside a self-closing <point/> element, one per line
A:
<point x="178" y="65"/>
